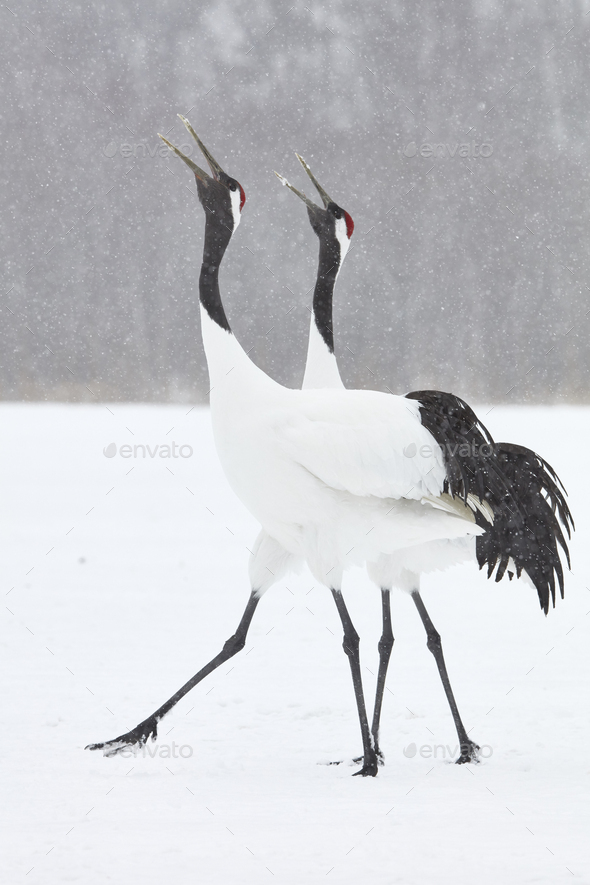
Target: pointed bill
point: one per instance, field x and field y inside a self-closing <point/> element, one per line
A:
<point x="213" y="164"/>
<point x="325" y="198"/>
<point x="196" y="169"/>
<point x="300" y="194"/>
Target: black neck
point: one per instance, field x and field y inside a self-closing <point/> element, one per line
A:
<point x="328" y="267"/>
<point x="217" y="237"/>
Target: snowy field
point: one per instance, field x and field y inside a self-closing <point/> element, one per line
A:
<point x="124" y="575"/>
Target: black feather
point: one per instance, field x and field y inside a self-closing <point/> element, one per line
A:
<point x="523" y="491"/>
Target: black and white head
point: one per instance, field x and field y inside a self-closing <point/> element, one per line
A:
<point x="332" y="224"/>
<point x="220" y="195"/>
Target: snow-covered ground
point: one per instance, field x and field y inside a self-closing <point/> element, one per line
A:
<point x="124" y="575"/>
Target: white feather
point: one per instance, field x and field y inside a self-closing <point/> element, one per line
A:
<point x="321" y="368"/>
<point x="324" y="471"/>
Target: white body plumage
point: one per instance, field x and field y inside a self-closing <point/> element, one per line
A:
<point x="324" y="471"/>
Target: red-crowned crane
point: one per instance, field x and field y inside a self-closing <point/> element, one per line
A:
<point x="323" y="471"/>
<point x="522" y="536"/>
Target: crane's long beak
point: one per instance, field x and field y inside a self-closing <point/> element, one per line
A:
<point x="196" y="169"/>
<point x="325" y="198"/>
<point x="300" y="194"/>
<point x="214" y="166"/>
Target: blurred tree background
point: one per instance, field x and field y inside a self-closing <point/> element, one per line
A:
<point x="470" y="268"/>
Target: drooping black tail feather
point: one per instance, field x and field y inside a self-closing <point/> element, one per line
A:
<point x="467" y="446"/>
<point x="524" y="493"/>
<point x="532" y="536"/>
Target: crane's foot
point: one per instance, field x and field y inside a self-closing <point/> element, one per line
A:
<point x="469" y="753"/>
<point x="137" y="737"/>
<point x="370" y="766"/>
<point x="378" y="754"/>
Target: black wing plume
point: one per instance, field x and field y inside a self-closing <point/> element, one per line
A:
<point x="467" y="447"/>
<point x="525" y="494"/>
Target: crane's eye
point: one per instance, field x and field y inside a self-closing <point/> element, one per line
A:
<point x="337" y="213"/>
<point x="232" y="186"/>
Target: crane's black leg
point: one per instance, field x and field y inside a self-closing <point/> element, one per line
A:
<point x="468" y="747"/>
<point x="385" y="646"/>
<point x="350" y="645"/>
<point x="149" y="727"/>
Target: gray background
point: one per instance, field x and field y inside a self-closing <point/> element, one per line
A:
<point x="468" y="274"/>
